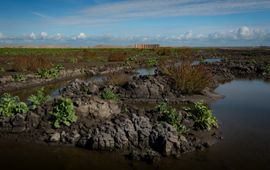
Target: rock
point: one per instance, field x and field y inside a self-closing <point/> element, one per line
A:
<point x="102" y="141"/>
<point x="18" y="120"/>
<point x="55" y="137"/>
<point x="32" y="120"/>
<point x="99" y="108"/>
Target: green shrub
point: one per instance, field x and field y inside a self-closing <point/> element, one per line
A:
<point x="2" y="70"/>
<point x="108" y="94"/>
<point x="19" y="77"/>
<point x="131" y="61"/>
<point x="39" y="98"/>
<point x="10" y="105"/>
<point x="63" y="113"/>
<point x="50" y="73"/>
<point x="203" y="116"/>
<point x="171" y="116"/>
<point x="152" y="61"/>
<point x="252" y="62"/>
<point x="73" y="60"/>
<point x="267" y="69"/>
<point x="202" y="61"/>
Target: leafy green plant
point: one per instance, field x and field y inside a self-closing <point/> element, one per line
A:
<point x="39" y="98"/>
<point x="171" y="116"/>
<point x="2" y="70"/>
<point x="63" y="113"/>
<point x="108" y="94"/>
<point x="152" y="61"/>
<point x="19" y="77"/>
<point x="73" y="60"/>
<point x="202" y="61"/>
<point x="131" y="61"/>
<point x="10" y="105"/>
<point x="252" y="62"/>
<point x="49" y="73"/>
<point x="203" y="116"/>
<point x="267" y="69"/>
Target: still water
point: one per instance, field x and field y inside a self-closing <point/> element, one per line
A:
<point x="244" y="115"/>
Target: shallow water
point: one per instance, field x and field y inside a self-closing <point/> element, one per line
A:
<point x="244" y="116"/>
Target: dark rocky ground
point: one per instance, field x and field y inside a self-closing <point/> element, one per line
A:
<point x="122" y="125"/>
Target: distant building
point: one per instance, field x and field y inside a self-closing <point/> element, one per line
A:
<point x="143" y="46"/>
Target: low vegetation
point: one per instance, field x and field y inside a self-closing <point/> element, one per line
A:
<point x="63" y="113"/>
<point x="108" y="94"/>
<point x="203" y="116"/>
<point x="152" y="61"/>
<point x="38" y="99"/>
<point x="188" y="79"/>
<point x="19" y="77"/>
<point x="267" y="69"/>
<point x="11" y="105"/>
<point x="118" y="79"/>
<point x="30" y="63"/>
<point x="117" y="57"/>
<point x="171" y="116"/>
<point x="49" y="73"/>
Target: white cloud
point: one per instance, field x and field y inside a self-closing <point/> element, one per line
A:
<point x="240" y="35"/>
<point x="44" y="35"/>
<point x="81" y="36"/>
<point x="58" y="36"/>
<point x="244" y="32"/>
<point x="32" y="36"/>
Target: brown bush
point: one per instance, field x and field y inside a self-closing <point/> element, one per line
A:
<point x="118" y="79"/>
<point x="189" y="79"/>
<point x="117" y="57"/>
<point x="30" y="63"/>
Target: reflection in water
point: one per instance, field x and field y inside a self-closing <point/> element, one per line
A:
<point x="244" y="116"/>
<point x="146" y="71"/>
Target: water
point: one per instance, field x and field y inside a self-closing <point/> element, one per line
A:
<point x="146" y="71"/>
<point x="244" y="115"/>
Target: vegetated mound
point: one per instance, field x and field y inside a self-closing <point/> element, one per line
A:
<point x="97" y="117"/>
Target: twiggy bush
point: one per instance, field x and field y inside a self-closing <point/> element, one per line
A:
<point x="118" y="79"/>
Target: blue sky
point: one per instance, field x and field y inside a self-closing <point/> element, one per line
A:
<point x="125" y="22"/>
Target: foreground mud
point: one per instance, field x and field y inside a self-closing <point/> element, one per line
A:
<point x="126" y="125"/>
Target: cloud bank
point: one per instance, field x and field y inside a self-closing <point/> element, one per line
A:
<point x="244" y="34"/>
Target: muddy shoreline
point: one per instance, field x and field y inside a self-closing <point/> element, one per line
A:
<point x="123" y="126"/>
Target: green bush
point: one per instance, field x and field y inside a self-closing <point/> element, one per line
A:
<point x="203" y="116"/>
<point x="39" y="98"/>
<point x="252" y="62"/>
<point x="108" y="94"/>
<point x="19" y="77"/>
<point x="267" y="69"/>
<point x="10" y="105"/>
<point x="63" y="113"/>
<point x="131" y="61"/>
<point x="73" y="60"/>
<point x="49" y="73"/>
<point x="2" y="70"/>
<point x="171" y="116"/>
<point x="152" y="61"/>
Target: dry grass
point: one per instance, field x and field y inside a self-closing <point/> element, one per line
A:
<point x="188" y="79"/>
<point x="117" y="57"/>
<point x="118" y="79"/>
<point x="30" y="63"/>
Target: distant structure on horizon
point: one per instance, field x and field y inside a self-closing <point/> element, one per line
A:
<point x="143" y="46"/>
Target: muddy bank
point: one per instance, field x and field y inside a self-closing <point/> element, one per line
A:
<point x="108" y="125"/>
<point x="7" y="83"/>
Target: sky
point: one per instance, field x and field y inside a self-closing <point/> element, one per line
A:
<point x="126" y="22"/>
